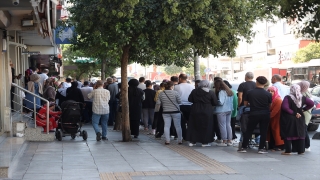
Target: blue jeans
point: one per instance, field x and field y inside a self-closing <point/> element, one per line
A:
<point x="224" y="121"/>
<point x="148" y="114"/>
<point x="177" y="124"/>
<point x="104" y="122"/>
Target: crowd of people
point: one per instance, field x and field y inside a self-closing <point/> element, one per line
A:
<point x="203" y="113"/>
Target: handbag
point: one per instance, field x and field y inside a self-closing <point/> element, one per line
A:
<point x="174" y="104"/>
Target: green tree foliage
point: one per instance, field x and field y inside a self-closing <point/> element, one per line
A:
<point x="173" y="69"/>
<point x="312" y="51"/>
<point x="306" y="13"/>
<point x="190" y="70"/>
<point x="160" y="31"/>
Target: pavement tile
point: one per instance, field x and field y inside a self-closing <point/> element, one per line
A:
<point x="42" y="177"/>
<point x="151" y="178"/>
<point x="191" y="177"/>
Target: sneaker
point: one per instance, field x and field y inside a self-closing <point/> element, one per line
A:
<point x="191" y="144"/>
<point x="308" y="149"/>
<point x="98" y="138"/>
<point x="206" y="145"/>
<point x="218" y="141"/>
<point x="242" y="150"/>
<point x="262" y="151"/>
<point x="229" y="144"/>
<point x="222" y="144"/>
<point x="105" y="138"/>
<point x="235" y="141"/>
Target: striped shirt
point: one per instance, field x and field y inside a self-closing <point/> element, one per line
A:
<point x="167" y="105"/>
<point x="101" y="99"/>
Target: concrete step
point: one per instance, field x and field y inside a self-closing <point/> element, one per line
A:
<point x="10" y="148"/>
<point x="36" y="134"/>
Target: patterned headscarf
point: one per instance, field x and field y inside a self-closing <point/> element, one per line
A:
<point x="304" y="85"/>
<point x="204" y="85"/>
<point x="295" y="94"/>
<point x="275" y="92"/>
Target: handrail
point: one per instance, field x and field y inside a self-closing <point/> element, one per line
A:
<point x="34" y="111"/>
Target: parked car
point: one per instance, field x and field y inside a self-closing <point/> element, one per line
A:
<point x="315" y="120"/>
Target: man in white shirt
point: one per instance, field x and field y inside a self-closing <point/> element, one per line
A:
<point x="100" y="109"/>
<point x="184" y="90"/>
<point x="88" y="108"/>
<point x="277" y="82"/>
<point x="141" y="83"/>
<point x="43" y="76"/>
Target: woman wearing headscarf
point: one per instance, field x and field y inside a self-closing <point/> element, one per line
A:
<point x="35" y="87"/>
<point x="135" y="96"/>
<point x="201" y="117"/>
<point x="304" y="85"/>
<point x="74" y="93"/>
<point x="273" y="136"/>
<point x="49" y="92"/>
<point x="292" y="121"/>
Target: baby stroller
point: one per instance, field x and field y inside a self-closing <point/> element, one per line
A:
<point x="70" y="121"/>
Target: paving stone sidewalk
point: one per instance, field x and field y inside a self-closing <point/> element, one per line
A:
<point x="147" y="158"/>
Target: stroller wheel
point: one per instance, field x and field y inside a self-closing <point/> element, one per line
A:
<point x="58" y="135"/>
<point x="84" y="135"/>
<point x="73" y="136"/>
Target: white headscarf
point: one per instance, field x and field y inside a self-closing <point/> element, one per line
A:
<point x="295" y="94"/>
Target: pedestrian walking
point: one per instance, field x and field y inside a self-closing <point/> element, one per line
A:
<point x="100" y="109"/>
<point x="135" y="96"/>
<point x="223" y="112"/>
<point x="274" y="138"/>
<point x="201" y="119"/>
<point x="170" y="101"/>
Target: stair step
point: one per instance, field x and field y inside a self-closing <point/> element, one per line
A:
<point x="36" y="134"/>
<point x="10" y="147"/>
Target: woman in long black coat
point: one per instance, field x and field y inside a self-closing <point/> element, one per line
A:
<point x="135" y="96"/>
<point x="201" y="115"/>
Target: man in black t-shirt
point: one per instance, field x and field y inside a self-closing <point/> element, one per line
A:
<point x="245" y="87"/>
<point x="259" y="101"/>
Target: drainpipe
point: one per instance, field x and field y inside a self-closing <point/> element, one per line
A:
<point x="35" y="5"/>
<point x="49" y="22"/>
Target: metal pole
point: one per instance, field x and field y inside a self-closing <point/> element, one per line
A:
<point x="48" y="117"/>
<point x="21" y="105"/>
<point x="232" y="71"/>
<point x="34" y="111"/>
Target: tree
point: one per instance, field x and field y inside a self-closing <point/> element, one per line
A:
<point x="161" y="31"/>
<point x="312" y="51"/>
<point x="173" y="69"/>
<point x="305" y="14"/>
<point x="190" y="70"/>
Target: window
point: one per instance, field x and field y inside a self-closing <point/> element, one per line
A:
<point x="271" y="31"/>
<point x="286" y="28"/>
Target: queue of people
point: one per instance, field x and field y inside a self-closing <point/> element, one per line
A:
<point x="204" y="113"/>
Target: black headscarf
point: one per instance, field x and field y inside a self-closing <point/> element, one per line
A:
<point x="133" y="87"/>
<point x="74" y="84"/>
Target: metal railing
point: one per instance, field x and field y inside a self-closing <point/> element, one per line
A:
<point x="34" y="104"/>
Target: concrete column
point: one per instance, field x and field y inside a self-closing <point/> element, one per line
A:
<point x="2" y="87"/>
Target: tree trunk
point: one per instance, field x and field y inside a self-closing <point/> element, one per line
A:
<point x="196" y="67"/>
<point x="103" y="69"/>
<point x="126" y="133"/>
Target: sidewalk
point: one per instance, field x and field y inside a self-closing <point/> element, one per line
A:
<point x="149" y="159"/>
